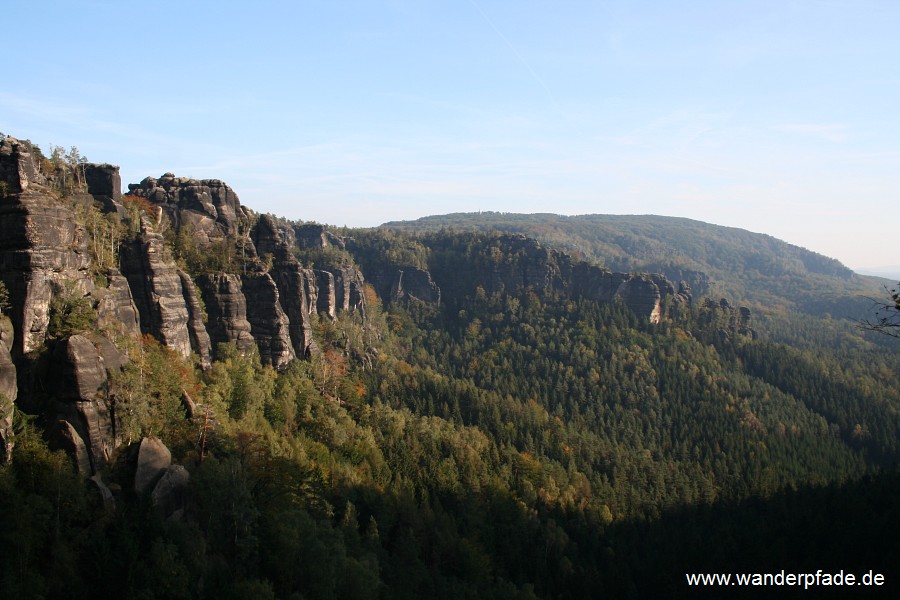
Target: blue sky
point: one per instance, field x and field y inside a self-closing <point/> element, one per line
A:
<point x="775" y="116"/>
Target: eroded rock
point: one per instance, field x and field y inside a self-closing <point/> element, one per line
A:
<point x="269" y="325"/>
<point x="209" y="207"/>
<point x="153" y="460"/>
<point x="8" y="389"/>
<point x="157" y="290"/>
<point x="226" y="308"/>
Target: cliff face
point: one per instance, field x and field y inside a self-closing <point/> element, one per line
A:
<point x="297" y="287"/>
<point x="82" y="404"/>
<point x="156" y="286"/>
<point x="226" y="308"/>
<point x="514" y="262"/>
<point x="42" y="247"/>
<point x="9" y="388"/>
<point x="255" y="294"/>
<point x="269" y="325"/>
<point x="407" y="284"/>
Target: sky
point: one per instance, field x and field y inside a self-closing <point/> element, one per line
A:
<point x="776" y="116"/>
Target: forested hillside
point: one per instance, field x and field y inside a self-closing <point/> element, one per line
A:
<point x="716" y="260"/>
<point x="222" y="404"/>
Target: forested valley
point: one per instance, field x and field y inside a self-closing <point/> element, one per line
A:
<point x="512" y="437"/>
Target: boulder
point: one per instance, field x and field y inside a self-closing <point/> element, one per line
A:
<point x="75" y="447"/>
<point x="170" y="493"/>
<point x="153" y="460"/>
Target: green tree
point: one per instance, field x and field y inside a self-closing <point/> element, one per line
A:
<point x="70" y="313"/>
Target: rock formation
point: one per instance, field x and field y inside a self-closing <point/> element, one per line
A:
<point x="348" y="290"/>
<point x="269" y="325"/>
<point x="406" y="284"/>
<point x="42" y="247"/>
<point x="157" y="289"/>
<point x="116" y="311"/>
<point x="326" y="302"/>
<point x="226" y="309"/>
<point x="152" y="461"/>
<point x="82" y="401"/>
<point x="730" y="321"/>
<point x="209" y="207"/>
<point x="9" y="389"/>
<point x="255" y="293"/>
<point x="199" y="337"/>
<point x="313" y="235"/>
<point x="297" y="289"/>
<point x="105" y="184"/>
<point x="514" y="262"/>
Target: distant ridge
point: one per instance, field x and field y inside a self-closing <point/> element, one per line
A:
<point x="750" y="267"/>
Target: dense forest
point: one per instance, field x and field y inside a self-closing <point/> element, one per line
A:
<point x="506" y="441"/>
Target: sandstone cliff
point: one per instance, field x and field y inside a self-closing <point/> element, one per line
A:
<point x="9" y="389"/>
<point x="209" y="207"/>
<point x="196" y="269"/>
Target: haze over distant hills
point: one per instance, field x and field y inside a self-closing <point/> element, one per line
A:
<point x="890" y="272"/>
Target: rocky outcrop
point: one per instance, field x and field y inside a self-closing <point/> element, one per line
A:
<point x="72" y="442"/>
<point x="406" y="284"/>
<point x="196" y="326"/>
<point x="297" y="289"/>
<point x="116" y="311"/>
<point x="511" y="263"/>
<point x="340" y="290"/>
<point x="81" y="368"/>
<point x="17" y="168"/>
<point x="326" y="300"/>
<point x="8" y="389"/>
<point x="269" y="326"/>
<point x="42" y="249"/>
<point x="209" y="207"/>
<point x="313" y="235"/>
<point x="226" y="309"/>
<point x="642" y="295"/>
<point x="298" y="294"/>
<point x="156" y="287"/>
<point x="731" y="322"/>
<point x="348" y="290"/>
<point x="105" y="184"/>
